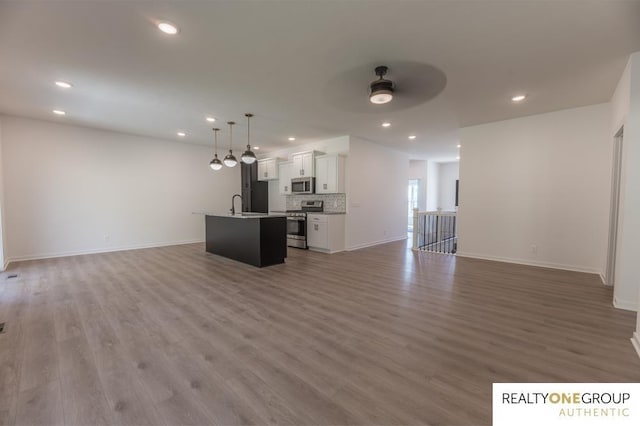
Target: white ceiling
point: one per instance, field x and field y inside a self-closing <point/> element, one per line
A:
<point x="303" y="67"/>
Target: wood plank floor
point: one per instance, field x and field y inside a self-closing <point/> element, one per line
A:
<point x="382" y="335"/>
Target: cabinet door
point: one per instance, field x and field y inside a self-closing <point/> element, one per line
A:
<point x="263" y="170"/>
<point x="321" y="175"/>
<point x="327" y="175"/>
<point x="332" y="175"/>
<point x="307" y="164"/>
<point x="298" y="167"/>
<point x="285" y="178"/>
<point x="317" y="235"/>
<point x="272" y="169"/>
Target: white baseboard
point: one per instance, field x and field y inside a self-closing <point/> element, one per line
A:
<point x="99" y="250"/>
<point x="635" y="341"/>
<point x="375" y="243"/>
<point x="325" y="251"/>
<point x="624" y="304"/>
<point x="528" y="262"/>
<point x="604" y="281"/>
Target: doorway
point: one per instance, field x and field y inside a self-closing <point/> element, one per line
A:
<point x="413" y="201"/>
<point x="614" y="210"/>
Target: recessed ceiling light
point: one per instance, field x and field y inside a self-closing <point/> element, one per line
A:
<point x="458" y="146"/>
<point x="210" y="119"/>
<point x="412" y="137"/>
<point x="386" y="124"/>
<point x="59" y="112"/>
<point x="64" y="84"/>
<point x="182" y="134"/>
<point x="519" y="98"/>
<point x="458" y="157"/>
<point x="256" y="147"/>
<point x="291" y="138"/>
<point x="167" y="28"/>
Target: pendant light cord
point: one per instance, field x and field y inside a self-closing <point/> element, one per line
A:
<point x="248" y="130"/>
<point x="230" y="123"/>
<point x="215" y="138"/>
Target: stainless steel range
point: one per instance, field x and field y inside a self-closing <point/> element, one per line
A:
<point x="297" y="222"/>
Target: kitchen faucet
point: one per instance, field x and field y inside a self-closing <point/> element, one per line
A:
<point x="233" y="207"/>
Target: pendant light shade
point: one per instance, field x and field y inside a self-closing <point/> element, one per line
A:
<point x="215" y="164"/>
<point x="248" y="157"/>
<point x="230" y="159"/>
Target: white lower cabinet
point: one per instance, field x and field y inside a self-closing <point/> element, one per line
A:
<point x="325" y="232"/>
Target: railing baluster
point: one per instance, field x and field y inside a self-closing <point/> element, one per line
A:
<point x="435" y="232"/>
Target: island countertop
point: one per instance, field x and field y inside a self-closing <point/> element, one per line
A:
<point x="243" y="215"/>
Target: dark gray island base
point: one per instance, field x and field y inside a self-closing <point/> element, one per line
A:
<point x="259" y="240"/>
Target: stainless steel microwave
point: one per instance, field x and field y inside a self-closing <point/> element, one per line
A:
<point x="303" y="185"/>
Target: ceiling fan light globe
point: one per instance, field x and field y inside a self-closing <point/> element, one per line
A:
<point x="381" y="97"/>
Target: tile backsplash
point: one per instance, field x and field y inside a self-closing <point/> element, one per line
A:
<point x="333" y="203"/>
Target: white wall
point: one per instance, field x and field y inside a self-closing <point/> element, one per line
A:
<point x="376" y="194"/>
<point x="447" y="175"/>
<point x="540" y="180"/>
<point x="2" y="227"/>
<point x="418" y="170"/>
<point x="633" y="202"/>
<point x="67" y="187"/>
<point x="433" y="171"/>
<point x="626" y="112"/>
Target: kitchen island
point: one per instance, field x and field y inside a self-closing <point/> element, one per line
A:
<point x="258" y="239"/>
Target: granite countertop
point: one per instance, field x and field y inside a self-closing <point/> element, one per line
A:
<point x="299" y="211"/>
<point x="327" y="213"/>
<point x="242" y="215"/>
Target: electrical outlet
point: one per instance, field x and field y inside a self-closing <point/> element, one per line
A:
<point x="534" y="248"/>
<point x="106" y="238"/>
<point x="335" y="203"/>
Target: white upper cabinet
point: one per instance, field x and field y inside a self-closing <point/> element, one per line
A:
<point x="303" y="164"/>
<point x="329" y="174"/>
<point x="268" y="169"/>
<point x="284" y="184"/>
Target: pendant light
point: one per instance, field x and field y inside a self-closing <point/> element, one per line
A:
<point x="248" y="157"/>
<point x="215" y="164"/>
<point x="229" y="159"/>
